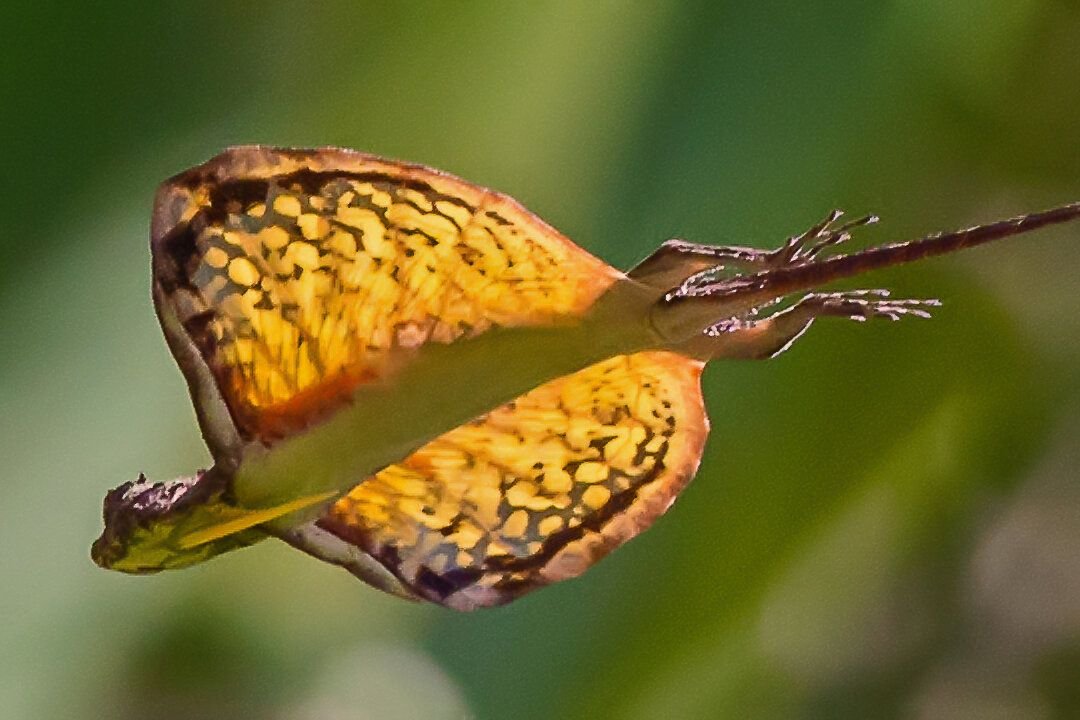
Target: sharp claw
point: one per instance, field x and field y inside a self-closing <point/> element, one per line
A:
<point x="858" y="222"/>
<point x="803" y="248"/>
<point x="861" y="305"/>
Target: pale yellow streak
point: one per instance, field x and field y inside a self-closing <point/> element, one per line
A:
<point x="251" y="519"/>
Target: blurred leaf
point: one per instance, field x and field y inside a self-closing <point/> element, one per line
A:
<point x="843" y="483"/>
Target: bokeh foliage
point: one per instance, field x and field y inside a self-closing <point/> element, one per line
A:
<point x="883" y="520"/>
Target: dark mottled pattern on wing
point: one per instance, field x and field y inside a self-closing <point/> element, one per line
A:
<point x="300" y="276"/>
<point x="537" y="490"/>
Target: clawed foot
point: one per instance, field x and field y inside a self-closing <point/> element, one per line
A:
<point x="862" y="305"/>
<point x="742" y="288"/>
<point x="803" y="248"/>
<point x="770" y="336"/>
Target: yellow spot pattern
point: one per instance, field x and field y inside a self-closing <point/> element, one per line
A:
<point x="302" y="275"/>
<point x="538" y="489"/>
<point x="299" y="275"/>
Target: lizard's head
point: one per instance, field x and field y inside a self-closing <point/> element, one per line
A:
<point x="146" y="524"/>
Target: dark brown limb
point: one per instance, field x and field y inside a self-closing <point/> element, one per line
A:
<point x="678" y="262"/>
<point x="767" y="338"/>
<point x="690" y="308"/>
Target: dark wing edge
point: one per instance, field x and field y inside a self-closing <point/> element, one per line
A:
<point x="178" y="216"/>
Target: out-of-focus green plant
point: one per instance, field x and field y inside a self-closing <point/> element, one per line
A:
<point x="849" y="548"/>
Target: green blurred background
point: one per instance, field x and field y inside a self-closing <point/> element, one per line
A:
<point x="887" y="518"/>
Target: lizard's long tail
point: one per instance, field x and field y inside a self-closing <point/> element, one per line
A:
<point x="682" y="315"/>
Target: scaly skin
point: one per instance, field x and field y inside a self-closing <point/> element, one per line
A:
<point x="416" y="379"/>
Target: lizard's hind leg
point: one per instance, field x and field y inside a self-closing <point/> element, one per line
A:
<point x="768" y="337"/>
<point x="678" y="262"/>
